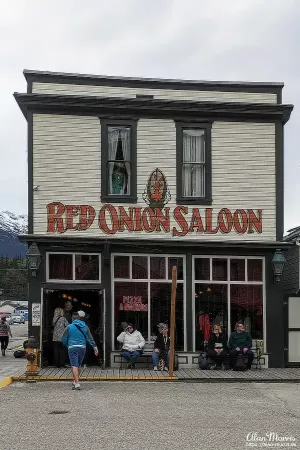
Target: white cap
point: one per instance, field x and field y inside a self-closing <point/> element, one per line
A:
<point x="81" y="314"/>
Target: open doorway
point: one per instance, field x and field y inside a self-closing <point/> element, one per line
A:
<point x="89" y="301"/>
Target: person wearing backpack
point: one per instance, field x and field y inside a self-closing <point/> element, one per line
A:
<point x="5" y="332"/>
<point x="75" y="338"/>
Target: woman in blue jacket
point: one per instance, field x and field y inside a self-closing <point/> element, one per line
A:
<point x="75" y="338"/>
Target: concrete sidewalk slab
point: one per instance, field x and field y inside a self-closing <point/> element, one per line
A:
<point x="148" y="416"/>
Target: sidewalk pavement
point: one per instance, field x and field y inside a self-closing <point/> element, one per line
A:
<point x="9" y="365"/>
<point x="148" y="416"/>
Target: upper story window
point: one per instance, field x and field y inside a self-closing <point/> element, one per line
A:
<point x="193" y="163"/>
<point x="118" y="161"/>
<point x="75" y="267"/>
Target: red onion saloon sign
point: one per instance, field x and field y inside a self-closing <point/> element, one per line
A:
<point x="177" y="221"/>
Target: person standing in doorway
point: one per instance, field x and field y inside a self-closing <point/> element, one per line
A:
<point x="67" y="311"/>
<point x="75" y="339"/>
<point x="59" y="323"/>
<point x="5" y="332"/>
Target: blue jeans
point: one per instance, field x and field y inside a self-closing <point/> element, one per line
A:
<point x="131" y="356"/>
<point x="155" y="358"/>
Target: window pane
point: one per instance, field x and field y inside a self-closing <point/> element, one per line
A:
<point x="160" y="295"/>
<point x="86" y="267"/>
<point x="60" y="267"/>
<point x="175" y="262"/>
<point x="202" y="269"/>
<point x="193" y="145"/>
<point x="210" y="308"/>
<point x="193" y="180"/>
<point x="121" y="266"/>
<point x="246" y="305"/>
<point x="158" y="267"/>
<point x="140" y="267"/>
<point x="131" y="306"/>
<point x="255" y="270"/>
<point x="237" y="270"/>
<point x="219" y="269"/>
<point x="193" y="169"/>
<point x="119" y="167"/>
<point x="119" y="178"/>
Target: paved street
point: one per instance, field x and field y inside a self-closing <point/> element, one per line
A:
<point x="128" y="415"/>
<point x="8" y="364"/>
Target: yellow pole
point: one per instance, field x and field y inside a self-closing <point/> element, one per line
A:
<point x="172" y="324"/>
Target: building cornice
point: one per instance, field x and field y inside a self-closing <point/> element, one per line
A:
<point x="38" y="76"/>
<point x="141" y="107"/>
<point x="196" y="245"/>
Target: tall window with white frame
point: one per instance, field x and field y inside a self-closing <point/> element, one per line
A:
<point x="228" y="290"/>
<point x="142" y="294"/>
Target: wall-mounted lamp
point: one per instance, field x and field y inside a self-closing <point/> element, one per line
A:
<point x="278" y="263"/>
<point x="34" y="259"/>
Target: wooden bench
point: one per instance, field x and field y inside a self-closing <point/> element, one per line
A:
<point x="259" y="353"/>
<point x="143" y="359"/>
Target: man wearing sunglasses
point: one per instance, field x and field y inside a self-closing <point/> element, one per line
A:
<point x="132" y="344"/>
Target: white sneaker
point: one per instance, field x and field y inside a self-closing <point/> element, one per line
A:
<point x="155" y="368"/>
<point x="76" y="386"/>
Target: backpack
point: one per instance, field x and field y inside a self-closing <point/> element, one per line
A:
<point x="19" y="353"/>
<point x="241" y="363"/>
<point x="203" y="362"/>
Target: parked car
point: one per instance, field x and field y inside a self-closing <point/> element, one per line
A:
<point x="16" y="318"/>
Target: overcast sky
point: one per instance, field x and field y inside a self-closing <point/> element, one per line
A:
<point x="248" y="40"/>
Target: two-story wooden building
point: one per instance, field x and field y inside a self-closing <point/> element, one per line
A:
<point x="128" y="177"/>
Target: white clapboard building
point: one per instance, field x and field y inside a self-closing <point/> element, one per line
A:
<point x="129" y="177"/>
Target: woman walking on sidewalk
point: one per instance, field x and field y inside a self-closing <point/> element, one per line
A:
<point x="5" y="332"/>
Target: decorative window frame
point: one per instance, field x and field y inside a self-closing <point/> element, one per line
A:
<point x="73" y="280"/>
<point x="147" y="280"/>
<point x="105" y="197"/>
<point x="207" y="199"/>
<point x="229" y="283"/>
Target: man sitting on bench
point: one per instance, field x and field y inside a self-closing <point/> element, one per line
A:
<point x="161" y="347"/>
<point x="240" y="343"/>
<point x="132" y="344"/>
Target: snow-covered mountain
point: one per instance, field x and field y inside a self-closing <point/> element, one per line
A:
<point x="11" y="225"/>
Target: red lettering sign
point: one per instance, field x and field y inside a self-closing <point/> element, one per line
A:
<point x="131" y="303"/>
<point x="115" y="219"/>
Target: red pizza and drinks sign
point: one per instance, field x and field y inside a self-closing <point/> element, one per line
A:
<point x="154" y="218"/>
<point x="131" y="303"/>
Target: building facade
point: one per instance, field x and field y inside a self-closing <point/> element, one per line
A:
<point x="291" y="289"/>
<point x="129" y="177"/>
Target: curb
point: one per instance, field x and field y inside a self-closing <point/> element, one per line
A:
<point x="7" y="381"/>
<point x="116" y="378"/>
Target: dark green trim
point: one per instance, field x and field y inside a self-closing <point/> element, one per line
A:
<point x="132" y="198"/>
<point x="30" y="171"/>
<point x="156" y="83"/>
<point x="71" y="104"/>
<point x="72" y="286"/>
<point x="180" y="199"/>
<point x="189" y="301"/>
<point x="279" y="170"/>
<point x="197" y="246"/>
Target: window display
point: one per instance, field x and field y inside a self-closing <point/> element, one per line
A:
<point x="145" y="299"/>
<point x="218" y="293"/>
<point x="211" y="307"/>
